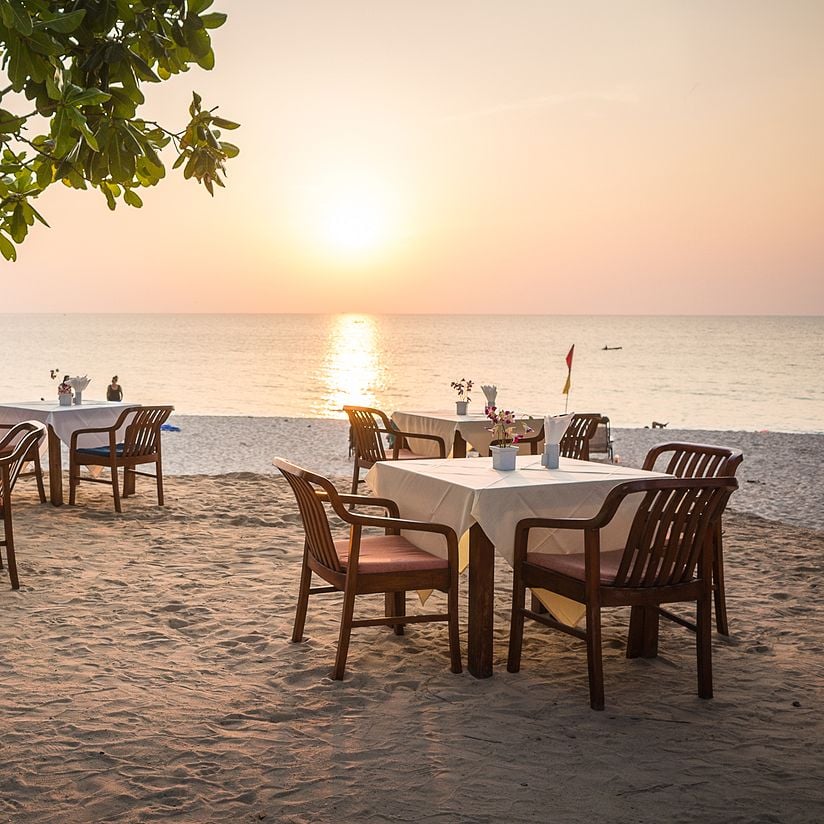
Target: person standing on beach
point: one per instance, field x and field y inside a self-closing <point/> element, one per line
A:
<point x="114" y="391"/>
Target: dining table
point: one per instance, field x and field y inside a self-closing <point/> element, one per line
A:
<point x="61" y="422"/>
<point x="483" y="505"/>
<point x="459" y="431"/>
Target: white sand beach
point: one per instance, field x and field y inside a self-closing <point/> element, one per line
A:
<point x="146" y="672"/>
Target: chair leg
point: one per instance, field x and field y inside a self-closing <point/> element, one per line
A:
<point x="116" y="488"/>
<point x="703" y="641"/>
<point x="395" y="605"/>
<point x="516" y="623"/>
<point x="74" y="470"/>
<point x="454" y="629"/>
<point x="303" y="602"/>
<point x="345" y="632"/>
<point x="38" y="476"/>
<point x="129" y="481"/>
<point x="595" y="664"/>
<point x="718" y="585"/>
<point x="355" y="477"/>
<point x="159" y="471"/>
<point x="643" y="632"/>
<point x="9" y="541"/>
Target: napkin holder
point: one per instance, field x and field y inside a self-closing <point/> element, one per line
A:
<point x="551" y="456"/>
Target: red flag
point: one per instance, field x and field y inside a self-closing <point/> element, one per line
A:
<point x="568" y="384"/>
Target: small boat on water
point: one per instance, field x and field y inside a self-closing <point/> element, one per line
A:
<point x="606" y="348"/>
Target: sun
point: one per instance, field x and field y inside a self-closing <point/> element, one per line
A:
<point x="354" y="223"/>
<point x="350" y="220"/>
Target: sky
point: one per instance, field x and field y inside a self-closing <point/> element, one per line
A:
<point x="608" y="157"/>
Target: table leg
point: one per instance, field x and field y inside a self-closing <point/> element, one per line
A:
<point x="55" y="469"/>
<point x="458" y="446"/>
<point x="481" y="602"/>
<point x="642" y="641"/>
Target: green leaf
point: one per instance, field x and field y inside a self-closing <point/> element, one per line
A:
<point x="7" y="248"/>
<point x="87" y="97"/>
<point x="142" y="69"/>
<point x="64" y="23"/>
<point x="19" y="228"/>
<point x="21" y="21"/>
<point x="214" y="20"/>
<point x="222" y="123"/>
<point x="39" y="216"/>
<point x="229" y="149"/>
<point x="9" y="122"/>
<point x="132" y="198"/>
<point x="198" y="6"/>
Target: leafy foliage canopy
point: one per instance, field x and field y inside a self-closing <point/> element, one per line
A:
<point x="71" y="95"/>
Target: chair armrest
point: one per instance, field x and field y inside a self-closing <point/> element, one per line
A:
<point x="99" y="429"/>
<point x="597" y="521"/>
<point x="398" y="433"/>
<point x="364" y="500"/>
<point x="401" y="523"/>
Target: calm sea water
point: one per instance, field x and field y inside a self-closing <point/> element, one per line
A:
<point x="746" y="373"/>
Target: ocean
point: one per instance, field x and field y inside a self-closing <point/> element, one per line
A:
<point x="746" y="373"/>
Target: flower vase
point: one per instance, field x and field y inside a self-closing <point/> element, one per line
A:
<point x="460" y="407"/>
<point x="503" y="457"/>
<point x="65" y="400"/>
<point x="78" y="397"/>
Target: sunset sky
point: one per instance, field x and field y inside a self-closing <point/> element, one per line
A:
<point x="475" y="156"/>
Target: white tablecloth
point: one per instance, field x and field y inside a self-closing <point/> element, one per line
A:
<point x="64" y="420"/>
<point x="462" y="492"/>
<point x="474" y="429"/>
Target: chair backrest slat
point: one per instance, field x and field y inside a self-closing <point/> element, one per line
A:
<point x="575" y="442"/>
<point x="317" y="533"/>
<point x="669" y="529"/>
<point x="365" y="423"/>
<point x="142" y="435"/>
<point x="694" y="460"/>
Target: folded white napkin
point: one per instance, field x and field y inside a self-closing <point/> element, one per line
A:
<point x="79" y="383"/>
<point x="555" y="426"/>
<point x="490" y="392"/>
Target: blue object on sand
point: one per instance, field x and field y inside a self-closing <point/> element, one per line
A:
<point x="167" y="427"/>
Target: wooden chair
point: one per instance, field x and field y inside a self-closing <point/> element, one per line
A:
<point x="576" y="440"/>
<point x="579" y="434"/>
<point x="367" y="428"/>
<point x="140" y="445"/>
<point x="361" y="564"/>
<point x="16" y="448"/>
<point x="34" y="455"/>
<point x="695" y="460"/>
<point x="667" y="558"/>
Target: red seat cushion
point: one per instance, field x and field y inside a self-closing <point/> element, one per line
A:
<point x="389" y="553"/>
<point x="573" y="565"/>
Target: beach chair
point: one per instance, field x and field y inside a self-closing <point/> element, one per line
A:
<point x="359" y="565"/>
<point x="140" y="446"/>
<point x="600" y="445"/>
<point x="696" y="460"/>
<point x="34" y="454"/>
<point x="367" y="429"/>
<point x="667" y="558"/>
<point x="16" y="448"/>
